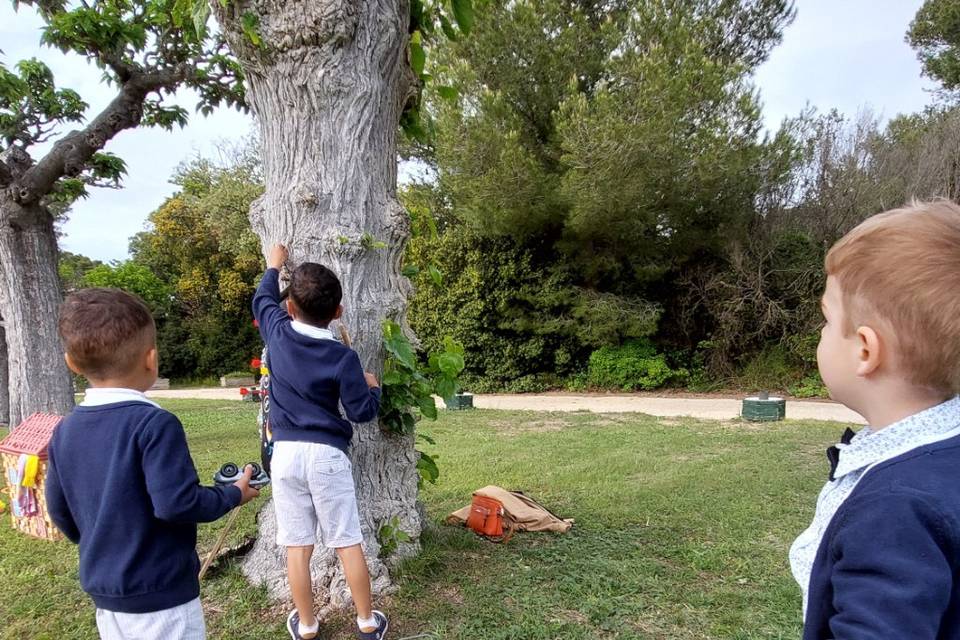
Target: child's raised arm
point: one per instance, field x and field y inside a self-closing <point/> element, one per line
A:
<point x="266" y="302"/>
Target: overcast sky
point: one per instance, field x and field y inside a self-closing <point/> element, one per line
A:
<point x="843" y="54"/>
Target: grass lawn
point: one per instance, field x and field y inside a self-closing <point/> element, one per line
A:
<point x="682" y="530"/>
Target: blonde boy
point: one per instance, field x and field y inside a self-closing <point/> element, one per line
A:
<point x="882" y="556"/>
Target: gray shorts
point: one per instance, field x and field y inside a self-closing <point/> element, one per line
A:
<point x="313" y="488"/>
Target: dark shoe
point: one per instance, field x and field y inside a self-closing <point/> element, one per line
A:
<point x="293" y="627"/>
<point x="380" y="632"/>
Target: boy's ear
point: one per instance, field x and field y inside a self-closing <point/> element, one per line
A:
<point x="71" y="364"/>
<point x="338" y="312"/>
<point x="870" y="354"/>
<point x="153" y="359"/>
<point x="291" y="309"/>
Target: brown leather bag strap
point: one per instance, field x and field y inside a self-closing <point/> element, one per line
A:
<point x="510" y="528"/>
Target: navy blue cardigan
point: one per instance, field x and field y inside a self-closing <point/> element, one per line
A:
<point x="310" y="378"/>
<point x="889" y="563"/>
<point x="121" y="484"/>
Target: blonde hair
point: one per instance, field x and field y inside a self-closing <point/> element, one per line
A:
<point x="901" y="269"/>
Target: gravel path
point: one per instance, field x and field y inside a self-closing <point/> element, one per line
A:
<point x="716" y="408"/>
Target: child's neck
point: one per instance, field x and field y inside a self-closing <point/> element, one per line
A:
<point x="325" y="325"/>
<point x="121" y="383"/>
<point x="897" y="401"/>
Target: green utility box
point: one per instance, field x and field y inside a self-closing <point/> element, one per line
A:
<point x="460" y="402"/>
<point x="764" y="408"/>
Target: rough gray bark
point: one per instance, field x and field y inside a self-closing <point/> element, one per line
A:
<point x="327" y="86"/>
<point x="4" y="379"/>
<point x="29" y="305"/>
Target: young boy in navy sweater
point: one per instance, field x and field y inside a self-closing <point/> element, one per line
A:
<point x="882" y="557"/>
<point x="311" y="373"/>
<point x="120" y="480"/>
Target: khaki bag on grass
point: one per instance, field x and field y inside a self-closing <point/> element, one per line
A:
<point x="516" y="512"/>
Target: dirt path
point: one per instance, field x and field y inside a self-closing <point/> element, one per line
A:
<point x="716" y="408"/>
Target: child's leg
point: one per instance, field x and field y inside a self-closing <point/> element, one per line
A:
<point x="335" y="500"/>
<point x="358" y="579"/>
<point x="296" y="530"/>
<point x="301" y="586"/>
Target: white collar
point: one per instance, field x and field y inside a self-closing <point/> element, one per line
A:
<point x="871" y="447"/>
<point x="98" y="396"/>
<point x="304" y="329"/>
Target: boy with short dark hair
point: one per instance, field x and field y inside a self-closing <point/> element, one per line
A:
<point x="311" y="375"/>
<point x="120" y="481"/>
<point x="882" y="556"/>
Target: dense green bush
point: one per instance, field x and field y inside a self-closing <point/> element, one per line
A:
<point x="633" y="365"/>
<point x="811" y="386"/>
<point x="524" y="325"/>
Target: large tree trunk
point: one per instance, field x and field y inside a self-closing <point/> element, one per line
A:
<point x="327" y="86"/>
<point x="4" y="379"/>
<point x="29" y="305"/>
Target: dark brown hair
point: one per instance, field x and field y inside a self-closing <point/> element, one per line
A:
<point x="105" y="331"/>
<point x="316" y="291"/>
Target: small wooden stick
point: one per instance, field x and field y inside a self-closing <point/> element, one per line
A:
<point x="220" y="540"/>
<point x="344" y="336"/>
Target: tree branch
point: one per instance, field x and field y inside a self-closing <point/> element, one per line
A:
<point x="71" y="153"/>
<point x="124" y="70"/>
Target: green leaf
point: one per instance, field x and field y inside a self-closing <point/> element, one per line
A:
<point x="409" y="422"/>
<point x="426" y="438"/>
<point x="435" y="275"/>
<point x="446" y="388"/>
<point x="397" y="345"/>
<point x="393" y="423"/>
<point x="463" y="13"/>
<point x="451" y="364"/>
<point x="250" y="24"/>
<point x="448" y="28"/>
<point x="427" y="467"/>
<point x="412" y="125"/>
<point x="452" y="346"/>
<point x="416" y="13"/>
<point x="448" y="93"/>
<point x="410" y="270"/>
<point x="427" y="406"/>
<point x="403" y="352"/>
<point x="201" y="12"/>
<point x="418" y="57"/>
<point x="394" y="377"/>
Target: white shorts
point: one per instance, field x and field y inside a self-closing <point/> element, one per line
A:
<point x="183" y="622"/>
<point x="313" y="488"/>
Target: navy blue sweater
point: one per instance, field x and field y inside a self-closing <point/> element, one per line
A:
<point x="889" y="562"/>
<point x="309" y="377"/>
<point x="121" y="484"/>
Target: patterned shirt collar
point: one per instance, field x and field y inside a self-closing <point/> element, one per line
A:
<point x="304" y="329"/>
<point x="871" y="447"/>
